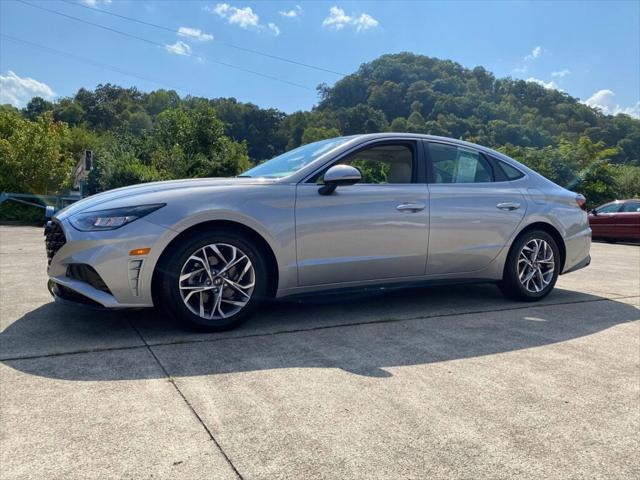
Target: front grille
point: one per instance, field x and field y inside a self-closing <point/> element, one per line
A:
<point x="54" y="238"/>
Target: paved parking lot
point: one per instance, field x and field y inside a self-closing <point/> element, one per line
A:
<point x="452" y="382"/>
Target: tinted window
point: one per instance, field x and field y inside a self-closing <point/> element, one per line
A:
<point x="631" y="207"/>
<point x="384" y="164"/>
<point x="510" y="172"/>
<point x="458" y="165"/>
<point x="611" y="208"/>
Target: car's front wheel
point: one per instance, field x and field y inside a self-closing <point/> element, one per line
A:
<point x="213" y="281"/>
<point x="532" y="267"/>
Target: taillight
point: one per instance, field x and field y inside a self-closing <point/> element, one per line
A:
<point x="581" y="201"/>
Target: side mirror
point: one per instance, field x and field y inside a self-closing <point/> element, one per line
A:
<point x="593" y="211"/>
<point x="337" y="176"/>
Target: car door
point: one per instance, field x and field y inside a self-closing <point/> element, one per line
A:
<point x="604" y="222"/>
<point x="474" y="209"/>
<point x="628" y="221"/>
<point x="375" y="229"/>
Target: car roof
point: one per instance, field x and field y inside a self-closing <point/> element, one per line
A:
<point x="423" y="136"/>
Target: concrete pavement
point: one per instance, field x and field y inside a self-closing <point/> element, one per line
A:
<point x="452" y="382"/>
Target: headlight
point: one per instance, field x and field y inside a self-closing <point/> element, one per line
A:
<point x="111" y="219"/>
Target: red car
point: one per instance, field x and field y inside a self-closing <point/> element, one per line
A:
<point x="619" y="220"/>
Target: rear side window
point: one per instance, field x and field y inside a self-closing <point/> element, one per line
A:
<point x="631" y="207"/>
<point x="512" y="173"/>
<point x="453" y="164"/>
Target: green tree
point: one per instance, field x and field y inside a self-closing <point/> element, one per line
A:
<point x="399" y="124"/>
<point x="627" y="181"/>
<point x="36" y="107"/>
<point x="389" y="97"/>
<point x="68" y="111"/>
<point x="360" y="119"/>
<point x="191" y="143"/>
<point x="34" y="155"/>
<point x="415" y="123"/>
<point x="313" y="134"/>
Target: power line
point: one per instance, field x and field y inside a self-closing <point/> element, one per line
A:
<point x="89" y="61"/>
<point x="97" y="25"/>
<point x="226" y="44"/>
<point x="158" y="44"/>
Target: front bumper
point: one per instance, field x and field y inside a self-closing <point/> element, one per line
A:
<point x="68" y="296"/>
<point x="126" y="279"/>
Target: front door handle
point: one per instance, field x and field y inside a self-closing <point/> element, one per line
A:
<point x="508" y="206"/>
<point x="410" y="207"/>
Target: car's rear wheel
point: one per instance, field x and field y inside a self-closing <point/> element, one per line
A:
<point x="213" y="281"/>
<point x="532" y="267"/>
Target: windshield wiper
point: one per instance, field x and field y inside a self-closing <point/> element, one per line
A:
<point x="243" y="176"/>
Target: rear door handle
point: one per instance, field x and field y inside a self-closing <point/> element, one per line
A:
<point x="410" y="207"/>
<point x="508" y="206"/>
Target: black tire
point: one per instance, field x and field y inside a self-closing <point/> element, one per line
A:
<point x="510" y="285"/>
<point x="171" y="299"/>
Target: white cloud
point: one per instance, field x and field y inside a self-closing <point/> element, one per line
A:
<point x="194" y="34"/>
<point x="18" y="90"/>
<point x="338" y="19"/>
<point x="179" y="48"/>
<point x="605" y="101"/>
<point x="535" y="53"/>
<point x="274" y="28"/>
<point x="548" y="85"/>
<point x="243" y="17"/>
<point x="293" y="13"/>
<point x="93" y="3"/>
<point x="561" y="73"/>
<point x="364" y="22"/>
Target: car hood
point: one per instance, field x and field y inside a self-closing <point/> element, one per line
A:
<point x="95" y="202"/>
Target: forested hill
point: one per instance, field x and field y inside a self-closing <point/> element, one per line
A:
<point x="407" y="92"/>
<point x="138" y="136"/>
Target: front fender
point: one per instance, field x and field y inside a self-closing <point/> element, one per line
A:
<point x="267" y="210"/>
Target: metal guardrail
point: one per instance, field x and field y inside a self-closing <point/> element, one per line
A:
<point x="50" y="203"/>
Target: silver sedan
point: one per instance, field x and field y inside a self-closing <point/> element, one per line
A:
<point x="350" y="212"/>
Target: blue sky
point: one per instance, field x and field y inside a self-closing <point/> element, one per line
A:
<point x="589" y="49"/>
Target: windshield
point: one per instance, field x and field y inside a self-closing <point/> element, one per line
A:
<point x="293" y="160"/>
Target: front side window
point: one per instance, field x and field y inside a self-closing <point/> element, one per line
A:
<point x="611" y="208"/>
<point x="453" y="164"/>
<point x="382" y="164"/>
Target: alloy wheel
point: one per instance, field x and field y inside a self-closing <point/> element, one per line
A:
<point x="536" y="265"/>
<point x="217" y="281"/>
